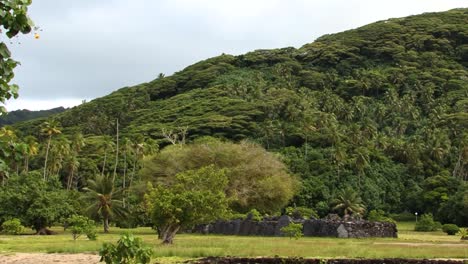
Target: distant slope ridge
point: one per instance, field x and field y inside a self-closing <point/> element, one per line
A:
<point x="24" y="115"/>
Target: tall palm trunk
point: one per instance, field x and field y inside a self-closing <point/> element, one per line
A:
<point x="26" y="163"/>
<point x="124" y="175"/>
<point x="46" y="157"/>
<point x="104" y="164"/>
<point x="116" y="153"/>
<point x="70" y="179"/>
<point x="134" y="168"/>
<point x="106" y="224"/>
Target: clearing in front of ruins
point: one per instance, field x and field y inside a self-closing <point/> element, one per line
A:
<point x="410" y="244"/>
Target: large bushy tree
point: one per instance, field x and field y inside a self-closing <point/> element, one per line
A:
<point x="193" y="197"/>
<point x="256" y="178"/>
<point x="37" y="203"/>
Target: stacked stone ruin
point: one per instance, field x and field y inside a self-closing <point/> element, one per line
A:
<point x="328" y="227"/>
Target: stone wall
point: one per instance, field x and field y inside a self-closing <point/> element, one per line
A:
<point x="312" y="227"/>
<point x="229" y="260"/>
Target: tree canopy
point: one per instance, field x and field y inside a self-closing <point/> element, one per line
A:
<point x="193" y="197"/>
<point x="257" y="179"/>
<point x="37" y="203"/>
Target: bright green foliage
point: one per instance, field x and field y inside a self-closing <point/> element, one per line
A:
<point x="13" y="20"/>
<point x="379" y="216"/>
<point x="12" y="227"/>
<point x="194" y="197"/>
<point x="463" y="233"/>
<point x="79" y="225"/>
<point x="256" y="179"/>
<point x="256" y="216"/>
<point x="129" y="250"/>
<point x="38" y="204"/>
<point x="426" y="223"/>
<point x="103" y="200"/>
<point x="348" y="203"/>
<point x="301" y="212"/>
<point x="450" y="229"/>
<point x="293" y="230"/>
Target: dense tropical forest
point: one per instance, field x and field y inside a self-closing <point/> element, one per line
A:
<point x="381" y="111"/>
<point x="24" y="115"/>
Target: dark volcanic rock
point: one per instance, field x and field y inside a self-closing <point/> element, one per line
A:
<point x="331" y="226"/>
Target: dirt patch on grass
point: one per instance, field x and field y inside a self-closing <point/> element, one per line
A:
<point x="409" y="244"/>
<point x="36" y="258"/>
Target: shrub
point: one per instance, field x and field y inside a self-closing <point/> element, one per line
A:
<point x="292" y="230"/>
<point x="379" y="216"/>
<point x="450" y="229"/>
<point x="235" y="216"/>
<point x="463" y="233"/>
<point x="322" y="208"/>
<point x="129" y="249"/>
<point x="12" y="227"/>
<point x="301" y="212"/>
<point x="79" y="225"/>
<point x="255" y="215"/>
<point x="426" y="223"/>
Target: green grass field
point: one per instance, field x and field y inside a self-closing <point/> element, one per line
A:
<point x="410" y="244"/>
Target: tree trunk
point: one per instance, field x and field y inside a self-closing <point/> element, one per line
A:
<point x="104" y="164"/>
<point x="47" y="156"/>
<point x="116" y="153"/>
<point x="456" y="171"/>
<point x="158" y="229"/>
<point x="125" y="169"/>
<point x="26" y="163"/>
<point x="70" y="180"/>
<point x="134" y="168"/>
<point x="106" y="224"/>
<point x="124" y="175"/>
<point x="45" y="231"/>
<point x="169" y="233"/>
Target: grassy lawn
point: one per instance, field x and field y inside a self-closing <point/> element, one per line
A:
<point x="410" y="244"/>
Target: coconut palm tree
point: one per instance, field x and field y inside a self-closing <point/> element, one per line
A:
<point x="361" y="160"/>
<point x="59" y="151"/>
<point x="106" y="147"/>
<point x="77" y="142"/>
<point x="348" y="202"/>
<point x="72" y="164"/>
<point x="49" y="129"/>
<point x="32" y="150"/>
<point x="104" y="201"/>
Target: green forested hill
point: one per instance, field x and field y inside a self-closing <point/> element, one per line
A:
<point x="382" y="108"/>
<point x="23" y="115"/>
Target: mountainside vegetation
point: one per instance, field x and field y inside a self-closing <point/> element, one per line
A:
<point x="381" y="109"/>
<point x="17" y="116"/>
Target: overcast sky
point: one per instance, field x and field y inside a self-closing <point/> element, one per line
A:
<point x="89" y="48"/>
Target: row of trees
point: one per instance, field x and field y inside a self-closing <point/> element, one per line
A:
<point x="189" y="189"/>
